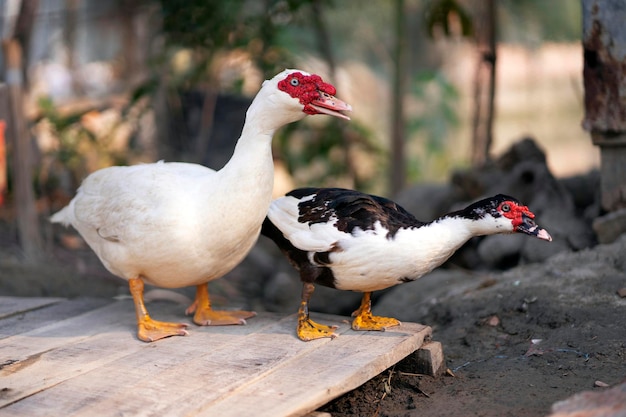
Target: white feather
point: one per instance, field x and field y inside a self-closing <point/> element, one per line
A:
<point x="178" y="224"/>
<point x="371" y="260"/>
<point x="318" y="237"/>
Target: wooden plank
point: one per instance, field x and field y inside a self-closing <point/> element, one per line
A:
<point x="42" y="358"/>
<point x="94" y="365"/>
<point x="10" y="306"/>
<point x="39" y="359"/>
<point x="311" y="380"/>
<point x="44" y="312"/>
<point x="430" y="359"/>
<point x="201" y="373"/>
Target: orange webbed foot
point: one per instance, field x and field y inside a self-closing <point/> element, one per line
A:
<point x="210" y="317"/>
<point x="370" y="322"/>
<point x="206" y="316"/>
<point x="364" y="320"/>
<point x="150" y="330"/>
<point x="309" y="330"/>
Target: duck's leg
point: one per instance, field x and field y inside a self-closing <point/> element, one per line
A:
<point x="364" y="320"/>
<point x="150" y="330"/>
<point x="308" y="329"/>
<point x="206" y="316"/>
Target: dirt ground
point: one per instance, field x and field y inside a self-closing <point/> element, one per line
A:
<point x="515" y="342"/>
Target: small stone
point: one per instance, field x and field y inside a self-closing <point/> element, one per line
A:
<point x="610" y="226"/>
<point x="607" y="402"/>
<point x="600" y="384"/>
<point x="622" y="292"/>
<point x="492" y="321"/>
<point x="430" y="359"/>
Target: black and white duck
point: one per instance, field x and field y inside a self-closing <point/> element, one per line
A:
<point x="349" y="240"/>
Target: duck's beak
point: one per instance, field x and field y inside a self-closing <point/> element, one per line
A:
<point x="330" y="105"/>
<point x="529" y="227"/>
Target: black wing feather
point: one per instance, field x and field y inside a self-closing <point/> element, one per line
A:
<point x="298" y="258"/>
<point x="352" y="209"/>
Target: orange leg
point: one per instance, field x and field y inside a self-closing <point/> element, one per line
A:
<point x="206" y="316"/>
<point x="364" y="320"/>
<point x="308" y="329"/>
<point x="150" y="330"/>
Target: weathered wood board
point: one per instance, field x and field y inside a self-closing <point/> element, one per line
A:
<point x="10" y="306"/>
<point x="90" y="363"/>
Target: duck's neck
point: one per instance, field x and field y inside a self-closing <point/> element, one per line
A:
<point x="250" y="170"/>
<point x="446" y="234"/>
<point x="450" y="233"/>
<point x="478" y="225"/>
<point x="455" y="230"/>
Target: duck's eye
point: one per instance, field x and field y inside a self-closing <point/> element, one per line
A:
<point x="506" y="208"/>
<point x="295" y="82"/>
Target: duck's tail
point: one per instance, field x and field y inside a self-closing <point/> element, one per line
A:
<point x="62" y="216"/>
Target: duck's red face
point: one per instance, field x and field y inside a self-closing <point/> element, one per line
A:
<point x="522" y="219"/>
<point x="317" y="96"/>
<point x="515" y="212"/>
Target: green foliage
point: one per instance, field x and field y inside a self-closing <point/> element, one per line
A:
<point x="208" y="26"/>
<point x="434" y="122"/>
<point x="327" y="154"/>
<point x="49" y="111"/>
<point x="536" y="21"/>
<point x="266" y="31"/>
<point x="203" y="24"/>
<point x="86" y="140"/>
<point x="518" y="21"/>
<point x="68" y="131"/>
<point x="438" y="15"/>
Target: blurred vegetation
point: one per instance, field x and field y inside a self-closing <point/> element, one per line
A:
<point x="71" y="136"/>
<point x="262" y="31"/>
<point x="209" y="26"/>
<point x="85" y="140"/>
<point x="520" y="21"/>
<point x="316" y="157"/>
<point x="274" y="34"/>
<point x="532" y="22"/>
<point x="431" y="126"/>
<point x="439" y="13"/>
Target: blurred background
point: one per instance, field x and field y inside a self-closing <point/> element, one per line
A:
<point x="452" y="99"/>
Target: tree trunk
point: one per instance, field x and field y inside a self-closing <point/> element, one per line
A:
<point x="398" y="163"/>
<point x="22" y="166"/>
<point x="484" y="83"/>
<point x="23" y="30"/>
<point x="604" y="42"/>
<point x="69" y="39"/>
<point x="325" y="47"/>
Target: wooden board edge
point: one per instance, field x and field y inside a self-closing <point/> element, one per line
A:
<point x="25" y="304"/>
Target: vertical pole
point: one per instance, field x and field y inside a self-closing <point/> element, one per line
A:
<point x="604" y="76"/>
<point x="398" y="162"/>
<point x="27" y="219"/>
<point x="484" y="83"/>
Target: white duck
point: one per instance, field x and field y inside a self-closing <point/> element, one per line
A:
<point x="178" y="224"/>
<point x="348" y="240"/>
